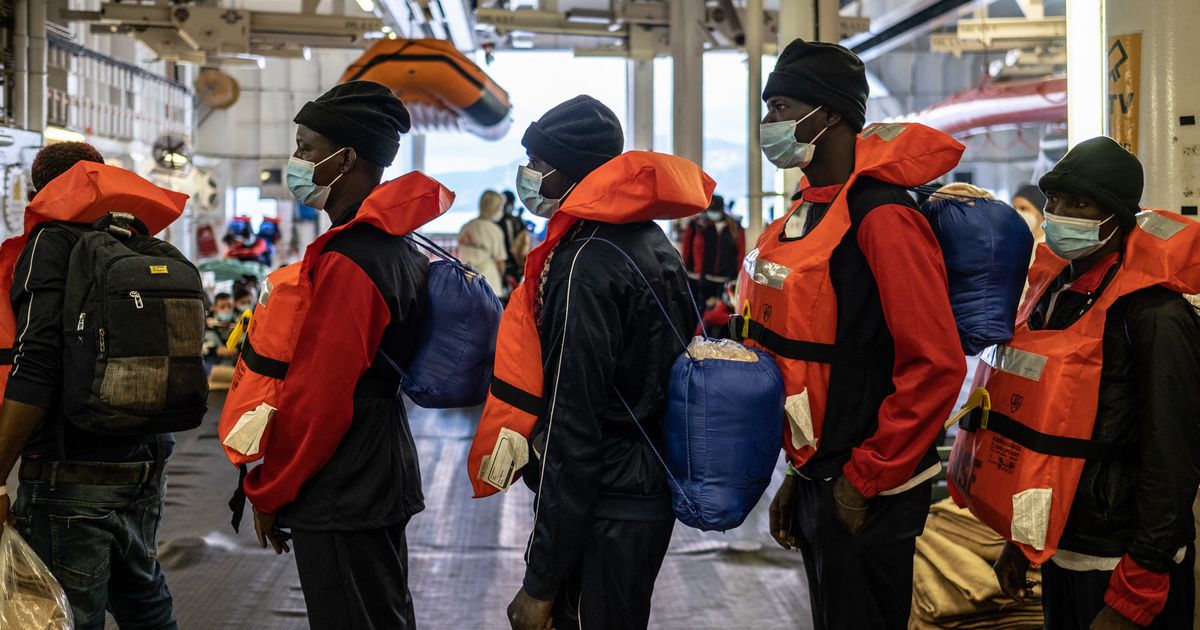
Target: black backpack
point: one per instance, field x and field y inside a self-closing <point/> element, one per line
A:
<point x="133" y="318"/>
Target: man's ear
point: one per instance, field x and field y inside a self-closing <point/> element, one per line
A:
<point x="349" y="159"/>
<point x="831" y="117"/>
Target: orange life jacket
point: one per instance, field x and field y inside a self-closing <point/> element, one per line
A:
<point x="85" y="193"/>
<point x="396" y="207"/>
<point x="786" y="296"/>
<point x="631" y="188"/>
<point x="1027" y="429"/>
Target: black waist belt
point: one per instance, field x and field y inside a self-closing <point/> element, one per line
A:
<point x="268" y="367"/>
<point x="95" y="473"/>
<point x="832" y="354"/>
<point x="1045" y="443"/>
<point x="517" y="397"/>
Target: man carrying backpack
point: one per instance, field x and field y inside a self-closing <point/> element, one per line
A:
<point x="90" y="502"/>
<point x="340" y="469"/>
<point x="594" y="323"/>
<point x="849" y="292"/>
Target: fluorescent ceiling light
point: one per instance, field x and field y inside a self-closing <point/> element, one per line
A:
<point x="58" y="134"/>
<point x="367" y="5"/>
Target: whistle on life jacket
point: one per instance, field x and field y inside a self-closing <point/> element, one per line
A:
<point x="979" y="399"/>
<point x="239" y="331"/>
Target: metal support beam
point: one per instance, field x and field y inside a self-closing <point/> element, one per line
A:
<point x="753" y="27"/>
<point x="829" y="27"/>
<point x="38" y="72"/>
<point x="639" y="104"/>
<point x="687" y="52"/>
<point x="998" y="31"/>
<point x="20" y="102"/>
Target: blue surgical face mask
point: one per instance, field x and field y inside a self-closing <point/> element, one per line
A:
<point x="300" y="181"/>
<point x="1072" y="238"/>
<point x="780" y="146"/>
<point x="529" y="191"/>
<point x="224" y="317"/>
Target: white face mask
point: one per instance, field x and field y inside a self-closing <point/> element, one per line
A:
<point x="300" y="181"/>
<point x="780" y="146"/>
<point x="1072" y="238"/>
<point x="529" y="190"/>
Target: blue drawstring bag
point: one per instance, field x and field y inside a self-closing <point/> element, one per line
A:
<point x="723" y="427"/>
<point x="452" y="365"/>
<point x="722" y="432"/>
<point x="986" y="246"/>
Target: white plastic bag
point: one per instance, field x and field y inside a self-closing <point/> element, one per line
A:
<point x="724" y="349"/>
<point x="30" y="597"/>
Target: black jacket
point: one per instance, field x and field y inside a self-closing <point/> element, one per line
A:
<point x="1149" y="401"/>
<point x="611" y="341"/>
<point x="372" y="480"/>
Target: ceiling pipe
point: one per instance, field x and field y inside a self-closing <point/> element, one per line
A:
<point x="907" y="23"/>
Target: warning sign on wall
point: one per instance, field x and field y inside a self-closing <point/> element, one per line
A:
<point x="1124" y="83"/>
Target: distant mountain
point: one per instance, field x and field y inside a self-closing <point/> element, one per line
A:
<point x="725" y="161"/>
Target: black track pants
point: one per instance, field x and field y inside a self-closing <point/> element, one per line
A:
<point x="859" y="582"/>
<point x="355" y="579"/>
<point x="611" y="586"/>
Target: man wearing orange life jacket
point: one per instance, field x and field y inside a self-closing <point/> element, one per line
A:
<point x="340" y="469"/>
<point x="848" y="291"/>
<point x="586" y="325"/>
<point x="1117" y="350"/>
<point x="110" y="490"/>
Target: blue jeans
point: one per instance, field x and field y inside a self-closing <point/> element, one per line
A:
<point x="101" y="542"/>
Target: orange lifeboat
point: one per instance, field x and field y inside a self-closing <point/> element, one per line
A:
<point x="441" y="87"/>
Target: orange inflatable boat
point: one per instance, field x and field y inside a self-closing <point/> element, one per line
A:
<point x="441" y="87"/>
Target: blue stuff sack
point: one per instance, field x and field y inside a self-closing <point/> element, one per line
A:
<point x="452" y="364"/>
<point x="986" y="246"/>
<point x="723" y="427"/>
<point x="722" y="433"/>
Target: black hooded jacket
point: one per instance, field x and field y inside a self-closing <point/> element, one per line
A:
<point x="604" y="338"/>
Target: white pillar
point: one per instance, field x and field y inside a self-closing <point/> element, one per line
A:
<point x="1167" y="95"/>
<point x="417" y="144"/>
<point x="796" y="20"/>
<point x="753" y="25"/>
<point x="687" y="52"/>
<point x="1086" y="69"/>
<point x="639" y="104"/>
<point x="37" y="93"/>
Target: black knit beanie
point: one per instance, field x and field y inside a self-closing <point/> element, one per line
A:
<point x="361" y="114"/>
<point x="1102" y="170"/>
<point x="819" y="73"/>
<point x="576" y="137"/>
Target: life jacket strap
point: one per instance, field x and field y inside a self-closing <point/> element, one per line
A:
<point x="6" y="356"/>
<point x="517" y="397"/>
<point x="268" y="367"/>
<point x="1044" y="443"/>
<point x="812" y="352"/>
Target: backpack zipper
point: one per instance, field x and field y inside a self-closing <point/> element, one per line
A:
<point x="79" y="326"/>
<point x="137" y="299"/>
<point x="101" y="340"/>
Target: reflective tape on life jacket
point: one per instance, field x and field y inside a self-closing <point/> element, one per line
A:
<point x="788" y="302"/>
<point x="1027" y="431"/>
<point x="634" y="187"/>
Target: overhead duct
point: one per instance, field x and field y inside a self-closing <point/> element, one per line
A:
<point x="903" y="25"/>
<point x="442" y="88"/>
<point x="997" y="105"/>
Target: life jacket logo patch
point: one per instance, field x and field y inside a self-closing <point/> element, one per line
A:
<point x="1016" y="401"/>
<point x="159" y="270"/>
